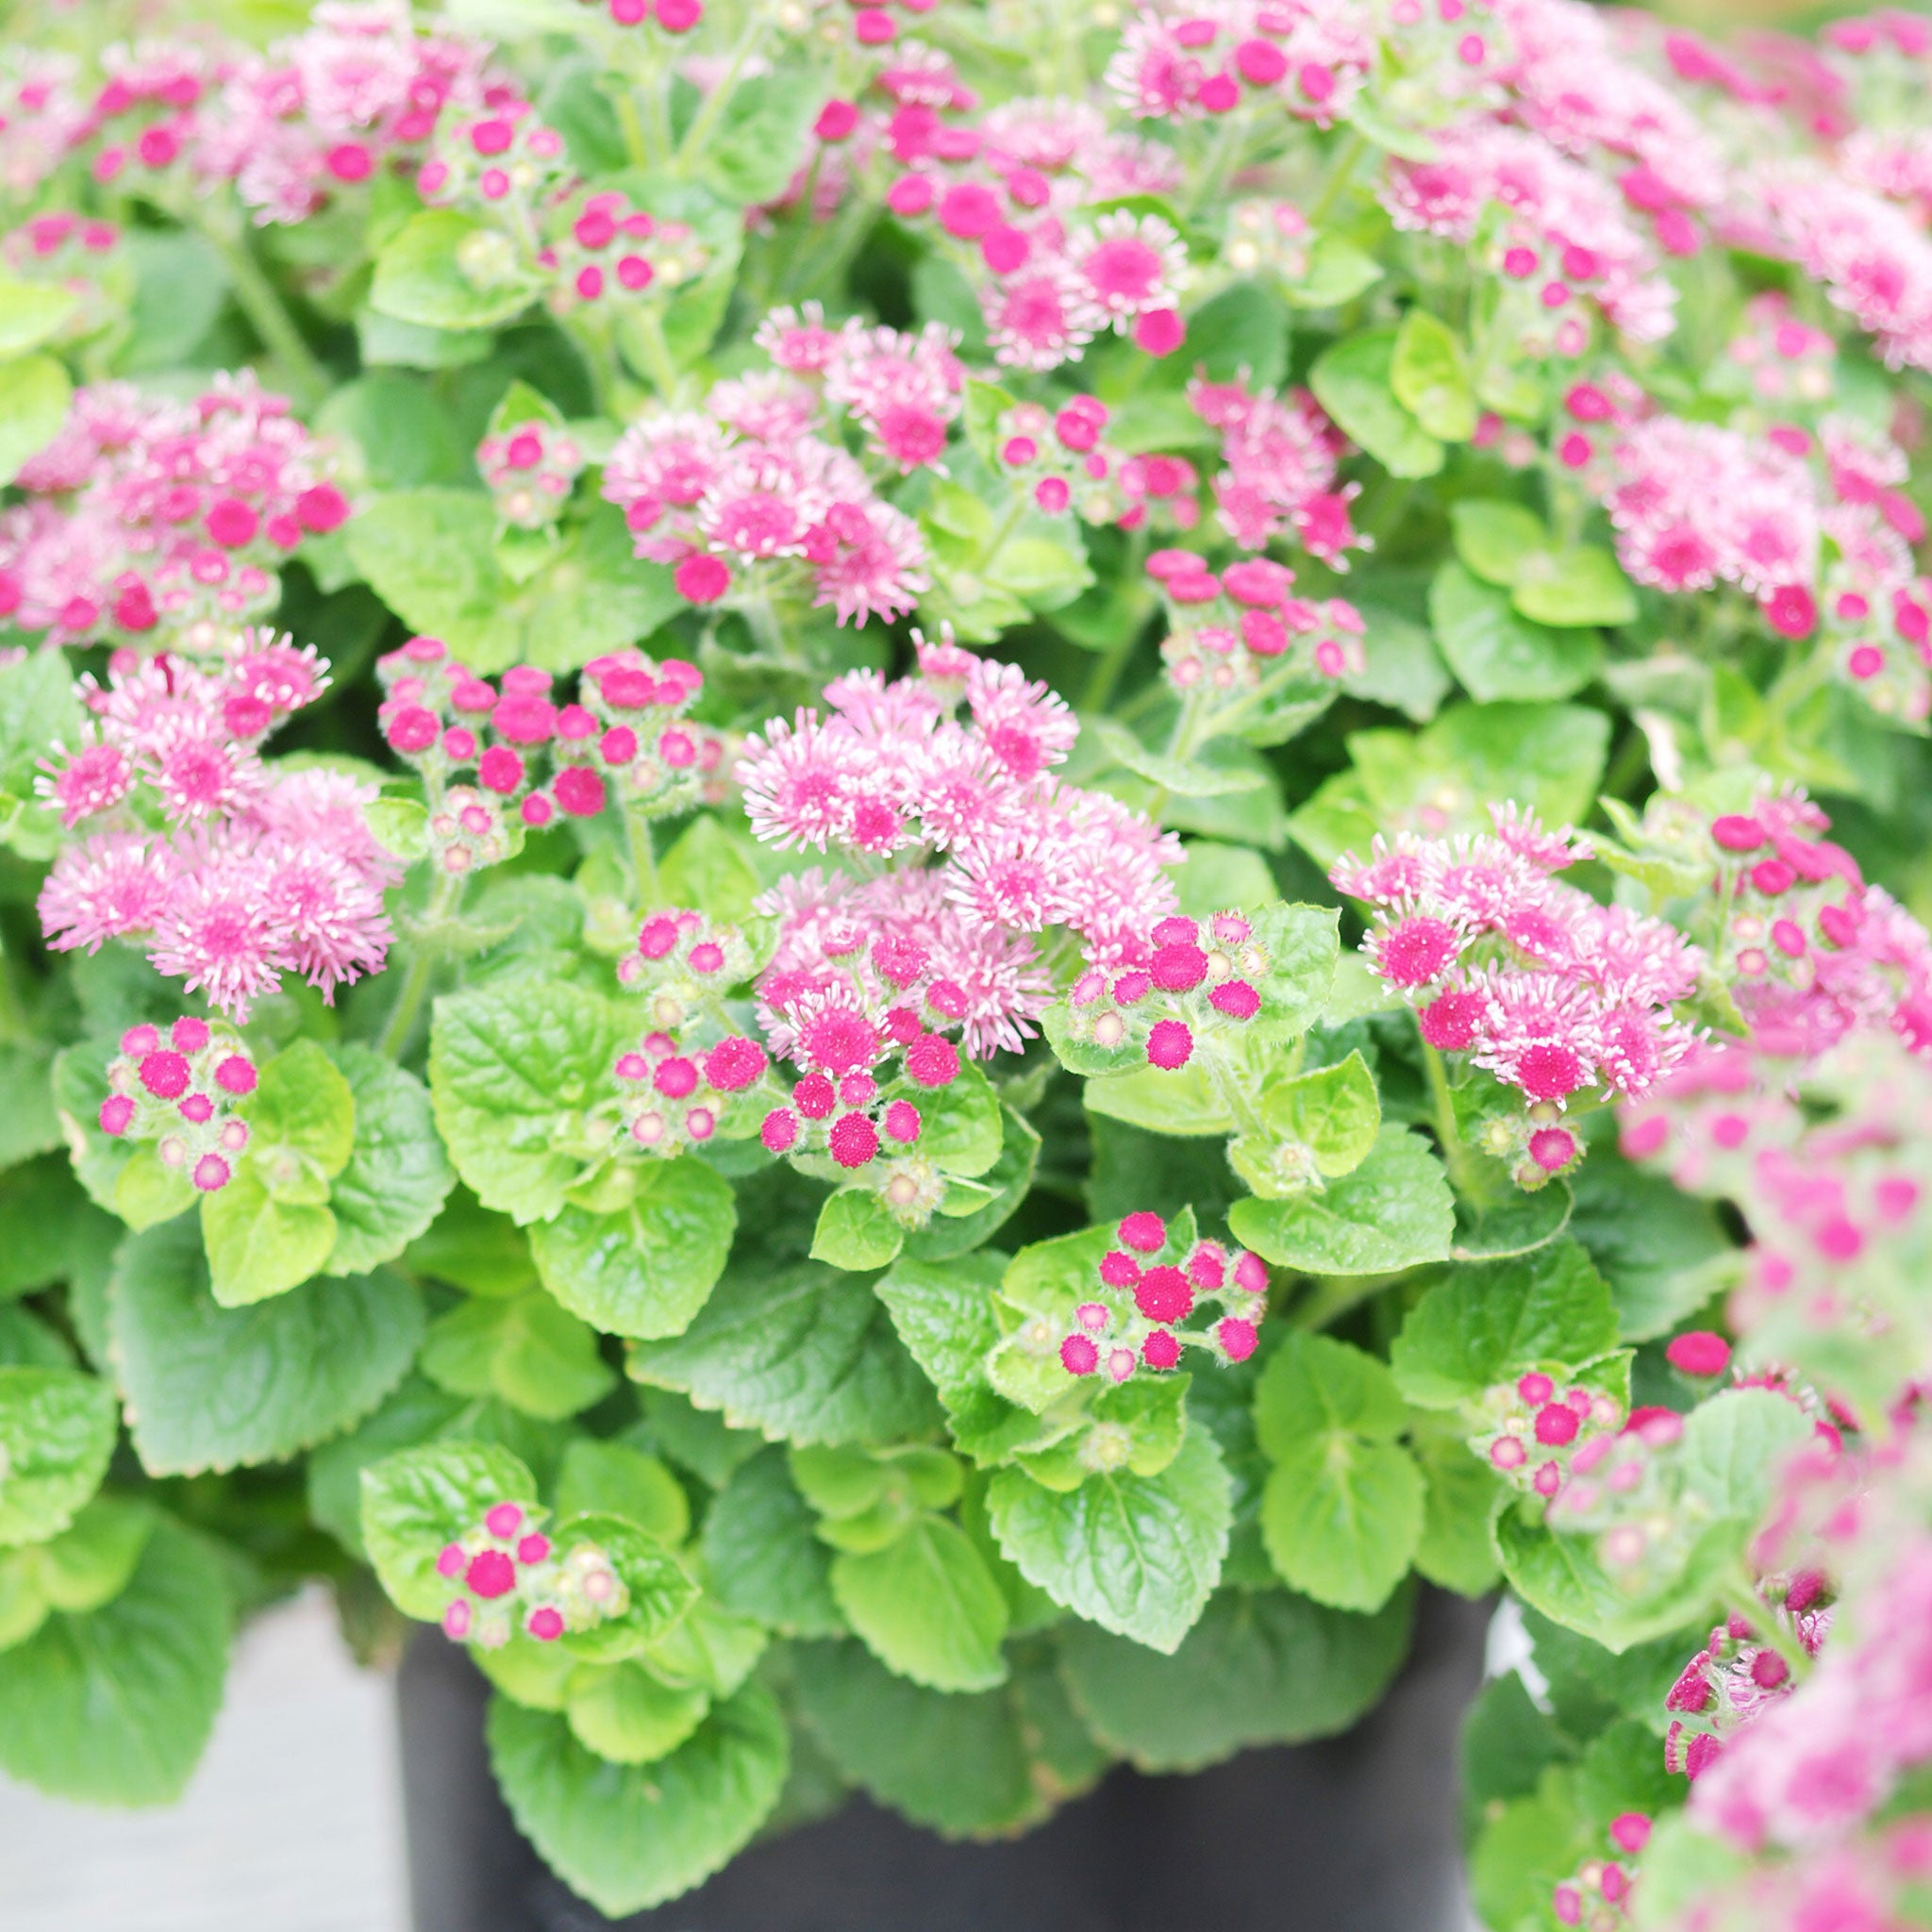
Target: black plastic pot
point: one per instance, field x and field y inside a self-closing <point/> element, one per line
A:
<point x="1354" y="1834"/>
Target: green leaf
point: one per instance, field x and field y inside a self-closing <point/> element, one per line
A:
<point x="1343" y="1511"/>
<point x="512" y="1071"/>
<point x="1649" y="1239"/>
<point x="1314" y="1385"/>
<point x="56" y="1431"/>
<point x="1337" y="273"/>
<point x="1429" y="376"/>
<point x="114" y="1707"/>
<point x="538" y="1357"/>
<point x="646" y="1269"/>
<point x="1354" y="381"/>
<point x="52" y="1228"/>
<point x="1492" y="537"/>
<point x="301" y="1125"/>
<point x="709" y="866"/>
<point x="855" y="1232"/>
<point x="474" y="1249"/>
<point x="1008" y="1179"/>
<point x="1393" y="1211"/>
<point x="90" y="1564"/>
<point x="1497" y="654"/>
<point x="1734" y="1445"/>
<point x="807" y="1356"/>
<point x="397" y="1176"/>
<point x="709" y="1648"/>
<point x="762" y="1554"/>
<point x="1334" y="1113"/>
<point x="418" y="1500"/>
<point x="430" y="555"/>
<point x="628" y="1838"/>
<point x="1454" y="1552"/>
<point x="1489" y="1324"/>
<point x="405" y="432"/>
<point x="30" y="312"/>
<point x="944" y="1314"/>
<point x="1241" y="335"/>
<point x="957" y="1764"/>
<point x="628" y="1715"/>
<point x="1342" y="1516"/>
<point x="1583" y="586"/>
<point x="212" y="1387"/>
<point x="1263" y="1667"/>
<point x="446" y="269"/>
<point x="259" y="1246"/>
<point x="1182" y="1102"/>
<point x="927" y="1607"/>
<point x="1182" y="778"/>
<point x="618" y="1480"/>
<point x="34" y="393"/>
<point x="180" y="289"/>
<point x="1137" y="1554"/>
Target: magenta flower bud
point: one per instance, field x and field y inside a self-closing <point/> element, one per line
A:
<point x="1536" y="1389"/>
<point x="852" y="1139"/>
<point x="1237" y="1339"/>
<point x="1180" y="968"/>
<point x="164" y="1074"/>
<point x="490" y="1573"/>
<point x="1251" y="1273"/>
<point x="187" y="1035"/>
<point x="533" y="1549"/>
<point x="902" y="1121"/>
<point x="546" y="1624"/>
<point x="211" y="1173"/>
<point x="456" y="1621"/>
<point x="451" y="1561"/>
<point x="734" y="1064"/>
<point x="1164" y="1295"/>
<point x="1170" y="1046"/>
<point x="932" y="1060"/>
<point x="141" y="1040"/>
<point x="778" y="1132"/>
<point x="1120" y="1364"/>
<point x="1506" y="1453"/>
<point x="677" y="1079"/>
<point x="1144" y="1232"/>
<point x="1093" y="1317"/>
<point x="1119" y="1269"/>
<point x="504" y="1519"/>
<point x="1161" y="1349"/>
<point x="1557" y="1425"/>
<point x="1699" y="1353"/>
<point x="815" y="1096"/>
<point x="1236" y="999"/>
<point x="1079" y="1356"/>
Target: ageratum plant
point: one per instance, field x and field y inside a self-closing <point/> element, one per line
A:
<point x="896" y="880"/>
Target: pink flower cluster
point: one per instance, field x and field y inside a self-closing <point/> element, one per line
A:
<point x="890" y="771"/>
<point x="1060" y="458"/>
<point x="81" y="257"/>
<point x="1540" y="985"/>
<point x="1010" y="200"/>
<point x="1230" y="632"/>
<point x="1558" y="237"/>
<point x="897" y="950"/>
<point x="530" y="469"/>
<point x="1534" y="1431"/>
<point x="1819" y="1761"/>
<point x="510" y="1576"/>
<point x="1597" y="1896"/>
<point x="755" y="496"/>
<point x="624" y="735"/>
<point x="1736" y="1676"/>
<point x="1149" y="1286"/>
<point x="162" y="521"/>
<point x="1871" y="1884"/>
<point x="357" y="93"/>
<point x="1186" y="986"/>
<point x="677" y="1094"/>
<point x="180" y="1090"/>
<point x="229" y="870"/>
<point x="1280" y="457"/>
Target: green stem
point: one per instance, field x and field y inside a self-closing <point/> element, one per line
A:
<point x="1740" y="1594"/>
<point x="637" y="143"/>
<point x="1458" y="1156"/>
<point x="656" y="351"/>
<point x="1331" y="1296"/>
<point x="268" y="315"/>
<point x="1341" y="171"/>
<point x="397" y="1030"/>
<point x="719" y="98"/>
<point x="643" y="859"/>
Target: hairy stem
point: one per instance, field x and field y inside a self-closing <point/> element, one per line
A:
<point x="268" y="315"/>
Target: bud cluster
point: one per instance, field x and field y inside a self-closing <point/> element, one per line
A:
<point x="180" y="1090"/>
<point x="1149" y="1286"/>
<point x="1731" y="1680"/>
<point x="1535" y="1431"/>
<point x="1228" y="632"/>
<point x="530" y="468"/>
<point x="1065" y="465"/>
<point x="1596" y="1897"/>
<point x="624" y="735"/>
<point x="1198" y="983"/>
<point x="510" y="1576"/>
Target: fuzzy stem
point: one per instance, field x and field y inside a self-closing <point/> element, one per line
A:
<point x="1341" y="172"/>
<point x="656" y="351"/>
<point x="268" y="315"/>
<point x="718" y="99"/>
<point x="1740" y="1596"/>
<point x="1458" y="1156"/>
<point x="643" y="858"/>
<point x="397" y="1030"/>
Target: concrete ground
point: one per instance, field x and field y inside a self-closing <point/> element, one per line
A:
<point x="293" y="1822"/>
